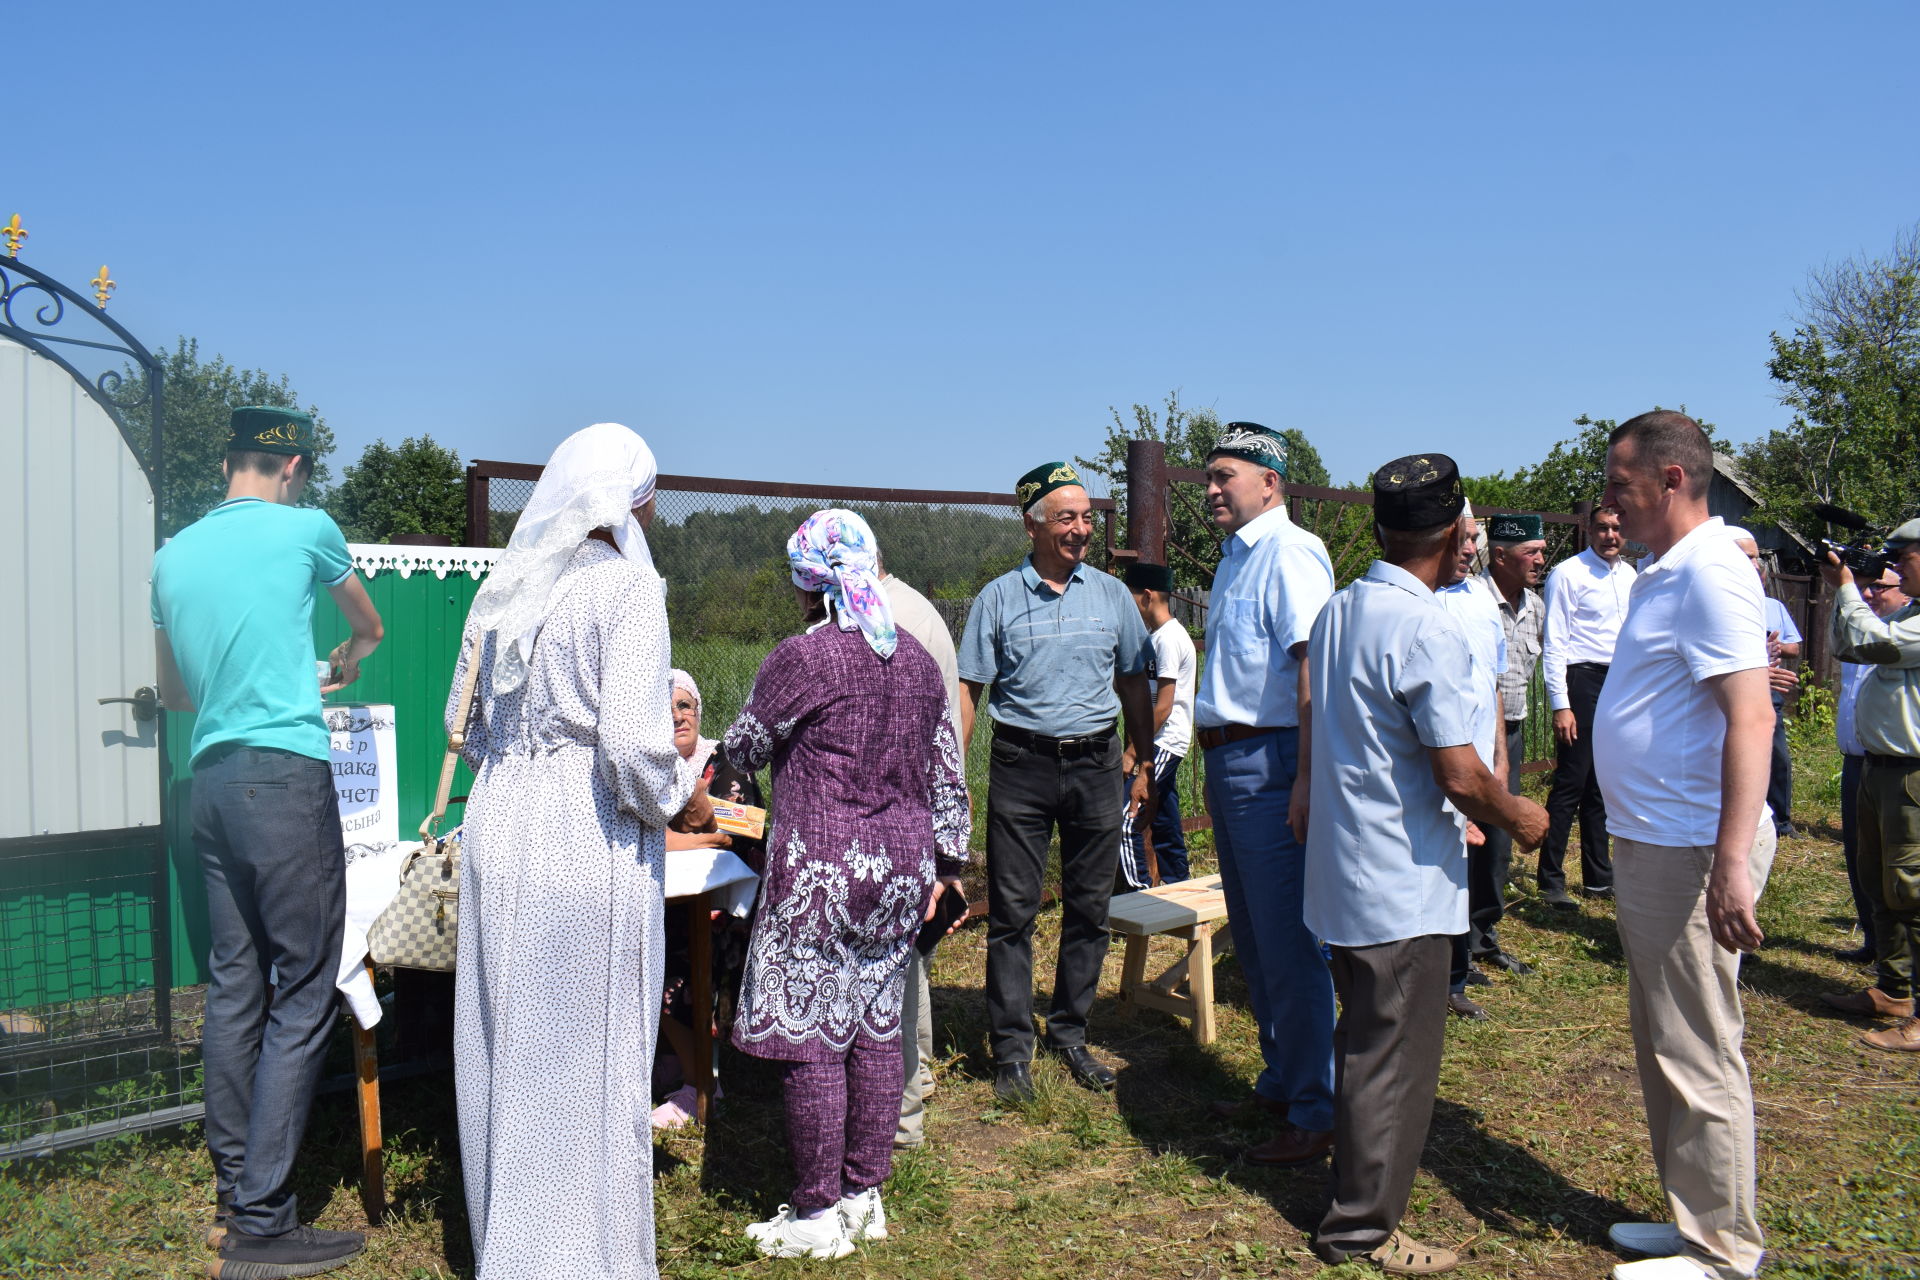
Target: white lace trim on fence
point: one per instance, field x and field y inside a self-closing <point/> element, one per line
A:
<point x="373" y="558"/>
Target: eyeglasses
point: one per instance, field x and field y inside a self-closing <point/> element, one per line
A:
<point x="1879" y="586"/>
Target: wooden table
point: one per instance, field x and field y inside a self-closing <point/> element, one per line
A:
<point x="1187" y="909"/>
<point x="693" y="1045"/>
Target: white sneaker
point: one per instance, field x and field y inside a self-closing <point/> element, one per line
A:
<point x="787" y="1235"/>
<point x="864" y="1217"/>
<point x="1675" y="1268"/>
<point x="1655" y="1239"/>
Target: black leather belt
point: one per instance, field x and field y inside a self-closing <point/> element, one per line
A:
<point x="1893" y="762"/>
<point x="1041" y="745"/>
<point x="1588" y="666"/>
<point x="1221" y="735"/>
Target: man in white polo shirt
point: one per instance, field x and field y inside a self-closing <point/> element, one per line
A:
<point x="1681" y="743"/>
<point x="1586" y="603"/>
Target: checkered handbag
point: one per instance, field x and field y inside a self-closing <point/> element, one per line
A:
<point x="420" y="929"/>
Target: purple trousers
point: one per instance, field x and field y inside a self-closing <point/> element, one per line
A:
<point x="840" y="1119"/>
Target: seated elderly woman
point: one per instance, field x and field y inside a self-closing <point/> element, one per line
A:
<point x="721" y="781"/>
<point x="869" y="804"/>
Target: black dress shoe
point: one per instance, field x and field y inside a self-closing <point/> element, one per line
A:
<point x="1087" y="1070"/>
<point x="1855" y="955"/>
<point x="1559" y="901"/>
<point x="1013" y="1082"/>
<point x="1475" y="978"/>
<point x="1460" y="1007"/>
<point x="1512" y="964"/>
<point x="1597" y="891"/>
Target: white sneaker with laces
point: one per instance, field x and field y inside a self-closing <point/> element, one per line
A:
<point x="1655" y="1239"/>
<point x="864" y="1216"/>
<point x="787" y="1235"/>
<point x="1674" y="1268"/>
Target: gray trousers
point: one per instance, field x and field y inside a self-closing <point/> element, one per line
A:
<point x="1386" y="1058"/>
<point x="916" y="1052"/>
<point x="266" y="825"/>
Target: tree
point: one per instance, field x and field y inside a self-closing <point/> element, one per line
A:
<point x="199" y="397"/>
<point x="1573" y="471"/>
<point x="1193" y="545"/>
<point x="418" y="488"/>
<point x="1851" y="374"/>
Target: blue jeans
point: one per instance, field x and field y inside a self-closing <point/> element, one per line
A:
<point x="267" y="827"/>
<point x="1249" y="785"/>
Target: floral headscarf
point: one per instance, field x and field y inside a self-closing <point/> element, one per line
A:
<point x="834" y="552"/>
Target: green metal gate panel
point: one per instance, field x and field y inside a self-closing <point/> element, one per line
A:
<point x="424" y="615"/>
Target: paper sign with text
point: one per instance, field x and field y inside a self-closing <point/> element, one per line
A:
<point x="364" y="776"/>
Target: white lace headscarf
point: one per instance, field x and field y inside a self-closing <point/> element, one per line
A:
<point x="594" y="480"/>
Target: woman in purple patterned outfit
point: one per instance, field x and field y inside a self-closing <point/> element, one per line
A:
<point x="870" y="824"/>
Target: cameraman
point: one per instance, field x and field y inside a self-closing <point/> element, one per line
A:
<point x="1887" y="718"/>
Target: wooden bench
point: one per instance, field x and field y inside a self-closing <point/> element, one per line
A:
<point x="1187" y="910"/>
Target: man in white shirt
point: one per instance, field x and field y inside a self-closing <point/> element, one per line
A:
<point x="914" y="614"/>
<point x="1272" y="581"/>
<point x="1783" y="641"/>
<point x="1884" y="596"/>
<point x="1479" y="620"/>
<point x="1680" y="745"/>
<point x="1395" y="705"/>
<point x="1174" y="662"/>
<point x="1586" y="603"/>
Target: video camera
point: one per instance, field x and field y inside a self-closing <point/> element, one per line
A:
<point x="1865" y="554"/>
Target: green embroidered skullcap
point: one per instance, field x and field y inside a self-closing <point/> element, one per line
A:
<point x="264" y="428"/>
<point x="1259" y="445"/>
<point x="1043" y="480"/>
<point x="1149" y="577"/>
<point x="1514" y="529"/>
<point x="1419" y="492"/>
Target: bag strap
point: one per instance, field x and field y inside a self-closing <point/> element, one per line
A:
<point x="455" y="740"/>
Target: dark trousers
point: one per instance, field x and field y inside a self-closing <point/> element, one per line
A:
<point x="1850" y="767"/>
<point x="267" y="827"/>
<point x="1386" y="1054"/>
<point x="1780" y="777"/>
<point x="1028" y="794"/>
<point x="1487" y="867"/>
<point x="1577" y="790"/>
<point x="1169" y="840"/>
<point x="1890" y="866"/>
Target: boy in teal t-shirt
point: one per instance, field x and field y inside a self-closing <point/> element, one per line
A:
<point x="233" y="604"/>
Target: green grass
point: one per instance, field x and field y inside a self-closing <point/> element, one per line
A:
<point x="1538" y="1141"/>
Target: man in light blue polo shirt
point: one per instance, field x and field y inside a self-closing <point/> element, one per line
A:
<point x="1272" y="581"/>
<point x="1394" y="713"/>
<point x="1066" y="653"/>
<point x="233" y="603"/>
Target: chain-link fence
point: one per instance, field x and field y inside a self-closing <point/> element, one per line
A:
<point x="721" y="546"/>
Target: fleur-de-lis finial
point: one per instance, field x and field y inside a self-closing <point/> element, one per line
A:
<point x="103" y="285"/>
<point x="14" y="235"/>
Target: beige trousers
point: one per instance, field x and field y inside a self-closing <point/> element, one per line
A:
<point x="1684" y="992"/>
<point x="916" y="1052"/>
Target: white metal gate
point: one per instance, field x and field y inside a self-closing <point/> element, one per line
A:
<point x="85" y="974"/>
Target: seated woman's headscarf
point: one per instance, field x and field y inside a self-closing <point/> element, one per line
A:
<point x="703" y="746"/>
<point x="834" y="552"/>
<point x="594" y="480"/>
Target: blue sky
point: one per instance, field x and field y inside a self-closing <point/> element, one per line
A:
<point x="929" y="244"/>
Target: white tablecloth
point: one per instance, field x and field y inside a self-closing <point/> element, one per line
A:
<point x="373" y="879"/>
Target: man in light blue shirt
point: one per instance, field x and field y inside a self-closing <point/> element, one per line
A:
<point x="233" y="606"/>
<point x="1066" y="653"/>
<point x="1272" y="581"/>
<point x="1486" y="635"/>
<point x="1394" y="707"/>
<point x="1783" y="642"/>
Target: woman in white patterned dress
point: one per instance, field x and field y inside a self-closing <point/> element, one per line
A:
<point x="869" y="805"/>
<point x="558" y="986"/>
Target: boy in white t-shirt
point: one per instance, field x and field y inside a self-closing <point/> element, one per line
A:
<point x="1174" y="664"/>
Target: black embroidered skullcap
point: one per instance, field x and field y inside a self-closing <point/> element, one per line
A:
<point x="1418" y="492"/>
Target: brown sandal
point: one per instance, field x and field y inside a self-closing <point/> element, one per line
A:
<point x="1405" y="1256"/>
